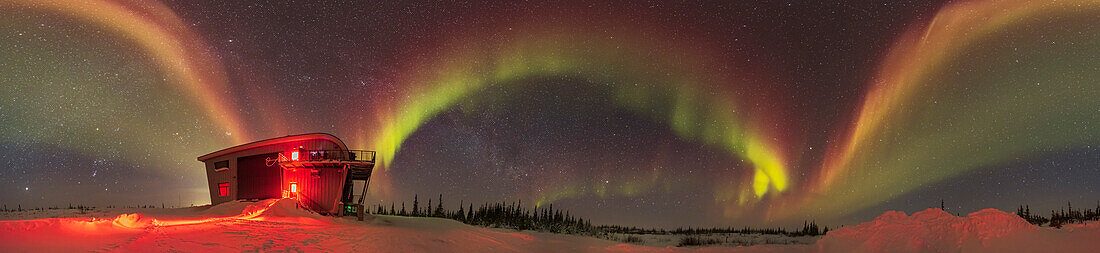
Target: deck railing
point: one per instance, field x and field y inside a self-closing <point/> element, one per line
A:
<point x="342" y="155"/>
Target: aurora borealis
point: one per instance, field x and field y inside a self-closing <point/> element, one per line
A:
<point x="634" y="113"/>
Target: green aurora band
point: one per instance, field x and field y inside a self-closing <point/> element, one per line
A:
<point x="643" y="72"/>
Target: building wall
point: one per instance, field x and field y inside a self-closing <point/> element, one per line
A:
<point x="231" y="176"/>
<point x="320" y="188"/>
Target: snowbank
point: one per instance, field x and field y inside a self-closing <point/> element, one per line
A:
<point x="934" y="230"/>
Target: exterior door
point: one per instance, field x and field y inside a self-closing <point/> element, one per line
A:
<point x="256" y="179"/>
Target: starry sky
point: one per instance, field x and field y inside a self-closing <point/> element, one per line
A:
<point x="644" y="113"/>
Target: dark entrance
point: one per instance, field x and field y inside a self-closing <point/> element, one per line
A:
<point x="258" y="177"/>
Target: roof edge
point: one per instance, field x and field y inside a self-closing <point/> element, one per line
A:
<point x="275" y="140"/>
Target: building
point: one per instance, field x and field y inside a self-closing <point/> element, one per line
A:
<point x="317" y="169"/>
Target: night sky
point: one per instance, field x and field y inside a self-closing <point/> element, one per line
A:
<point x="660" y="114"/>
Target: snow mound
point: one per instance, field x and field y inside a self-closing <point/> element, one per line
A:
<point x="934" y="230"/>
<point x="283" y="210"/>
<point x="69" y="234"/>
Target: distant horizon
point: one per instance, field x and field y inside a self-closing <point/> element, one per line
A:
<point x="451" y="207"/>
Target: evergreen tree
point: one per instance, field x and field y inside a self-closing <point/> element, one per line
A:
<point x="416" y="204"/>
<point x="460" y="215"/>
<point x="439" y="208"/>
<point x="470" y="215"/>
<point x="1055" y="221"/>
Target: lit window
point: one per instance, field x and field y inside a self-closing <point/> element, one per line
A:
<point x="293" y="187"/>
<point x="223" y="189"/>
<point x="294" y="155"/>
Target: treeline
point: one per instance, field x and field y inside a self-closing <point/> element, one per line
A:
<point x="501" y="215"/>
<point x="809" y="228"/>
<point x="82" y="208"/>
<point x="547" y="219"/>
<point x="1057" y="219"/>
<point x="19" y="208"/>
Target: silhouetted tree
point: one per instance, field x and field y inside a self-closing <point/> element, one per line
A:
<point x="416" y="205"/>
<point x="439" y="208"/>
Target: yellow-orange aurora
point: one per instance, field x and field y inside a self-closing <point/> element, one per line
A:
<point x="182" y="55"/>
<point x="924" y="119"/>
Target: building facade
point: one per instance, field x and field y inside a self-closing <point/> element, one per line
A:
<point x="316" y="169"/>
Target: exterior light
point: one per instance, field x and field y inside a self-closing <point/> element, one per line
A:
<point x="294" y="155"/>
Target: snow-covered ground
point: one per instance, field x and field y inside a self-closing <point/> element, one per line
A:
<point x="271" y="225"/>
<point x="721" y="239"/>
<point x="277" y="225"/>
<point x="934" y="230"/>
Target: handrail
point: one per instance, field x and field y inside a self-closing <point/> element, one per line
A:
<point x="341" y="155"/>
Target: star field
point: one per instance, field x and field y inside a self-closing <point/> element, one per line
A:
<point x="647" y="113"/>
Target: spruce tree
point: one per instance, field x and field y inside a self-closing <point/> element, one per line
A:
<point x="461" y="215"/>
<point x="470" y="214"/>
<point x="416" y="204"/>
<point x="439" y="208"/>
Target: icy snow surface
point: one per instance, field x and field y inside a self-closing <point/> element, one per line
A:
<point x="278" y="225"/>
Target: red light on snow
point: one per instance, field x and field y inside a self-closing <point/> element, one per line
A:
<point x="294" y="155"/>
<point x="294" y="187"/>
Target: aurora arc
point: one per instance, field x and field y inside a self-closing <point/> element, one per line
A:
<point x="165" y="77"/>
<point x="651" y="75"/>
<point x="922" y="147"/>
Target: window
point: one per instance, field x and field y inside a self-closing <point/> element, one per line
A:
<point x="221" y="166"/>
<point x="223" y="189"/>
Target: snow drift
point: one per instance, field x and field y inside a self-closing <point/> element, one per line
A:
<point x="934" y="230"/>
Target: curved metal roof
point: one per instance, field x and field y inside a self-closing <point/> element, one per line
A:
<point x="284" y="139"/>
